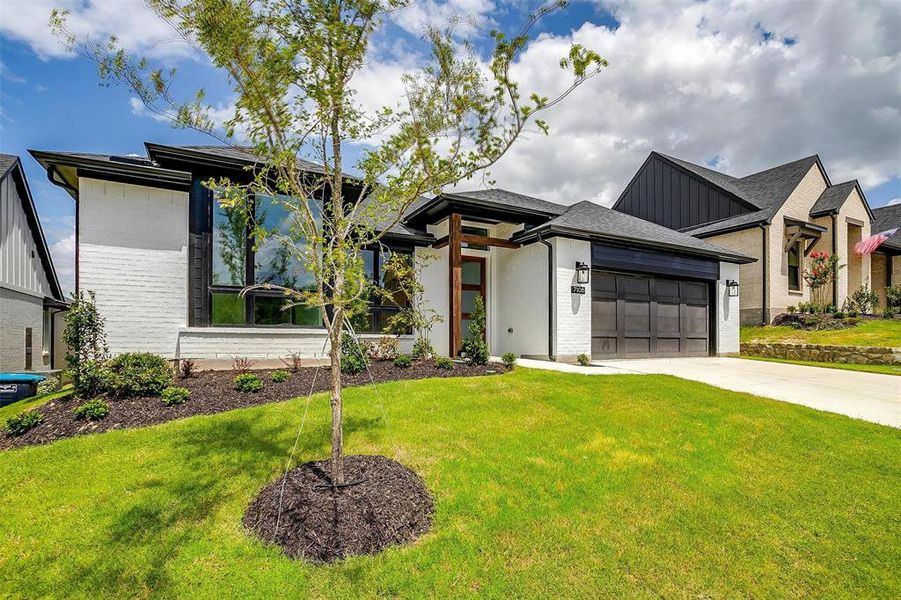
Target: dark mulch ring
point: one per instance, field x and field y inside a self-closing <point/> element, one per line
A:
<point x="214" y="392"/>
<point x="386" y="504"/>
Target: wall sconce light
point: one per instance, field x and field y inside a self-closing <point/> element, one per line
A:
<point x="732" y="286"/>
<point x="583" y="273"/>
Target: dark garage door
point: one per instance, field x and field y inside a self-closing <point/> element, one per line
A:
<point x="634" y="316"/>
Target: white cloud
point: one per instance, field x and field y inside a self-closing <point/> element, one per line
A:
<point x="135" y="25"/>
<point x="60" y="234"/>
<point x="893" y="202"/>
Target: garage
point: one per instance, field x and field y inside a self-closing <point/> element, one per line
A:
<point x="634" y="316"/>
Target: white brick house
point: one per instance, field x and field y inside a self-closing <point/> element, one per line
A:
<point x="151" y="244"/>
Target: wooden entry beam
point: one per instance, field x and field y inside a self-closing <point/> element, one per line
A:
<point x="455" y="270"/>
<point x="481" y="240"/>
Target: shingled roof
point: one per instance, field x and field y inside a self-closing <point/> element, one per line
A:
<point x="513" y="200"/>
<point x="885" y="218"/>
<point x="832" y="198"/>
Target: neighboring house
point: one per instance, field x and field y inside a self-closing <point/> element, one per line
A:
<point x="885" y="263"/>
<point x="160" y="254"/>
<point x="30" y="296"/>
<point x="778" y="216"/>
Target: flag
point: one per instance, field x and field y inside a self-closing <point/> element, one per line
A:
<point x="869" y="245"/>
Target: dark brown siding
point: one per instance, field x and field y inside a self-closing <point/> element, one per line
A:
<point x="668" y="195"/>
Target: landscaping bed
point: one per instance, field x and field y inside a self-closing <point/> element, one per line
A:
<point x="214" y="392"/>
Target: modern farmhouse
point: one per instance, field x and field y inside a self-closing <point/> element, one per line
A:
<point x="557" y="281"/>
<point x="778" y="216"/>
<point x="30" y="295"/>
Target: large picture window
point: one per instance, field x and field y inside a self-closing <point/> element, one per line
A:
<point x="237" y="263"/>
<point x="794" y="268"/>
<point x="380" y="309"/>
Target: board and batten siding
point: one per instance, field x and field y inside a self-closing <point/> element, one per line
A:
<point x="21" y="269"/>
<point x="133" y="256"/>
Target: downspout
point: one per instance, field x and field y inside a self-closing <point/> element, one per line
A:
<point x="835" y="253"/>
<point x="765" y="264"/>
<point x="550" y="297"/>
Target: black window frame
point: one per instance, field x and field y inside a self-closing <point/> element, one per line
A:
<point x="380" y="310"/>
<point x="796" y="248"/>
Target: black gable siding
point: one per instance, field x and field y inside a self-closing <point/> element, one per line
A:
<point x="668" y="195"/>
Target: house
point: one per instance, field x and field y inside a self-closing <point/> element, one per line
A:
<point x="777" y="216"/>
<point x="166" y="264"/>
<point x="885" y="263"/>
<point x="30" y="296"/>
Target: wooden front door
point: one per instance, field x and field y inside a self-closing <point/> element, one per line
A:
<point x="472" y="285"/>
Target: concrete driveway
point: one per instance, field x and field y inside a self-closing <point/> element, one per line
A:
<point x="869" y="396"/>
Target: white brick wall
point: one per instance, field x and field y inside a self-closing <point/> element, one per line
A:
<point x="133" y="255"/>
<point x="520" y="294"/>
<point x="572" y="331"/>
<point x="728" y="317"/>
<point x="18" y="311"/>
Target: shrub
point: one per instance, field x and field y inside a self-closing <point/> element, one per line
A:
<point x="186" y="368"/>
<point x="174" y="395"/>
<point x="403" y="361"/>
<point x="865" y="299"/>
<point x="353" y="360"/>
<point x="21" y="423"/>
<point x="422" y="349"/>
<point x="792" y="309"/>
<point x="242" y="364"/>
<point x="92" y="410"/>
<point x="889" y="313"/>
<point x="137" y="374"/>
<point x="893" y="296"/>
<point x="248" y="383"/>
<point x="583" y="359"/>
<point x="838" y="315"/>
<point x="509" y="359"/>
<point x="49" y="385"/>
<point x="85" y="343"/>
<point x="293" y="362"/>
<point x="853" y="313"/>
<point x="92" y="379"/>
<point x="386" y="348"/>
<point x="474" y="345"/>
<point x="444" y="362"/>
<point x="279" y="376"/>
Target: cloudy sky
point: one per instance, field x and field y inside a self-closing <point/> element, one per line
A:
<point x="737" y="85"/>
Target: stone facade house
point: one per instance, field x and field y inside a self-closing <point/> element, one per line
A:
<point x="778" y="216"/>
<point x="557" y="281"/>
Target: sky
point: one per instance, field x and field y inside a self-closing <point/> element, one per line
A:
<point x="738" y="85"/>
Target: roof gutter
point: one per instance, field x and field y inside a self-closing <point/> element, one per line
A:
<point x="550" y="297"/>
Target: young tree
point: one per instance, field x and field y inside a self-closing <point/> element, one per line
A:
<point x="404" y="288"/>
<point x="291" y="65"/>
<point x="819" y="275"/>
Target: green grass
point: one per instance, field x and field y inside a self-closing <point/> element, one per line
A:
<point x="882" y="369"/>
<point x="868" y="333"/>
<point x="11" y="410"/>
<point x="546" y="485"/>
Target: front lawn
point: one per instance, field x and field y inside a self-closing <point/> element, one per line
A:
<point x="869" y="333"/>
<point x="881" y="369"/>
<point x="546" y="485"/>
<point x="11" y="410"/>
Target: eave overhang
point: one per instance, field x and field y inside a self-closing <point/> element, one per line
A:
<point x="486" y="211"/>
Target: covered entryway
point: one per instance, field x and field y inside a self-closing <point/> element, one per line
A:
<point x="634" y="316"/>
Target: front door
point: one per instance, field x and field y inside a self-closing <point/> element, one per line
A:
<point x="472" y="286"/>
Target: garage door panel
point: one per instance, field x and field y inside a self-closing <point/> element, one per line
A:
<point x="635" y="316"/>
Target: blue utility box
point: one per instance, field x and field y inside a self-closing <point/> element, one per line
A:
<point x="15" y="386"/>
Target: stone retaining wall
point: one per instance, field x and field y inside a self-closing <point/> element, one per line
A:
<point x="840" y="354"/>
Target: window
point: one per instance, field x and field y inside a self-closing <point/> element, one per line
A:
<point x="380" y="309"/>
<point x="474" y="231"/>
<point x="237" y="263"/>
<point x="46" y="341"/>
<point x="794" y="267"/>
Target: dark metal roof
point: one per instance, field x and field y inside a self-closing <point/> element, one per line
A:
<point x="885" y="218"/>
<point x="593" y="221"/>
<point x="513" y="199"/>
<point x="832" y="198"/>
<point x="492" y="206"/>
<point x="402" y="230"/>
<point x="222" y="154"/>
<point x="11" y="166"/>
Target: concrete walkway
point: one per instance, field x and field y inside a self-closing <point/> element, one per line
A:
<point x="869" y="396"/>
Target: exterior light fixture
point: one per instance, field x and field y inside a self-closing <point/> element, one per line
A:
<point x="732" y="286"/>
<point x="583" y="273"/>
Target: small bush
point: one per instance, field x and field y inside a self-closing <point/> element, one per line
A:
<point x="422" y="349"/>
<point x="248" y="383"/>
<point x="174" y="395"/>
<point x="474" y="346"/>
<point x="21" y="423"/>
<point x="792" y="309"/>
<point x="92" y="379"/>
<point x="583" y="359"/>
<point x="293" y="362"/>
<point x="242" y="364"/>
<point x="386" y="348"/>
<point x="444" y="362"/>
<point x="186" y="368"/>
<point x="403" y="361"/>
<point x="865" y="299"/>
<point x="279" y="376"/>
<point x="851" y="320"/>
<point x="889" y="313"/>
<point x="353" y="359"/>
<point x="509" y="359"/>
<point x="49" y="385"/>
<point x="92" y="410"/>
<point x="853" y="313"/>
<point x="838" y="315"/>
<point x="893" y="296"/>
<point x="138" y="374"/>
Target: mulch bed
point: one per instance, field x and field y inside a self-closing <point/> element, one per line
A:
<point x="385" y="504"/>
<point x="213" y="392"/>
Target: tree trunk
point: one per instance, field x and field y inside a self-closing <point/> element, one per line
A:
<point x="337" y="460"/>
